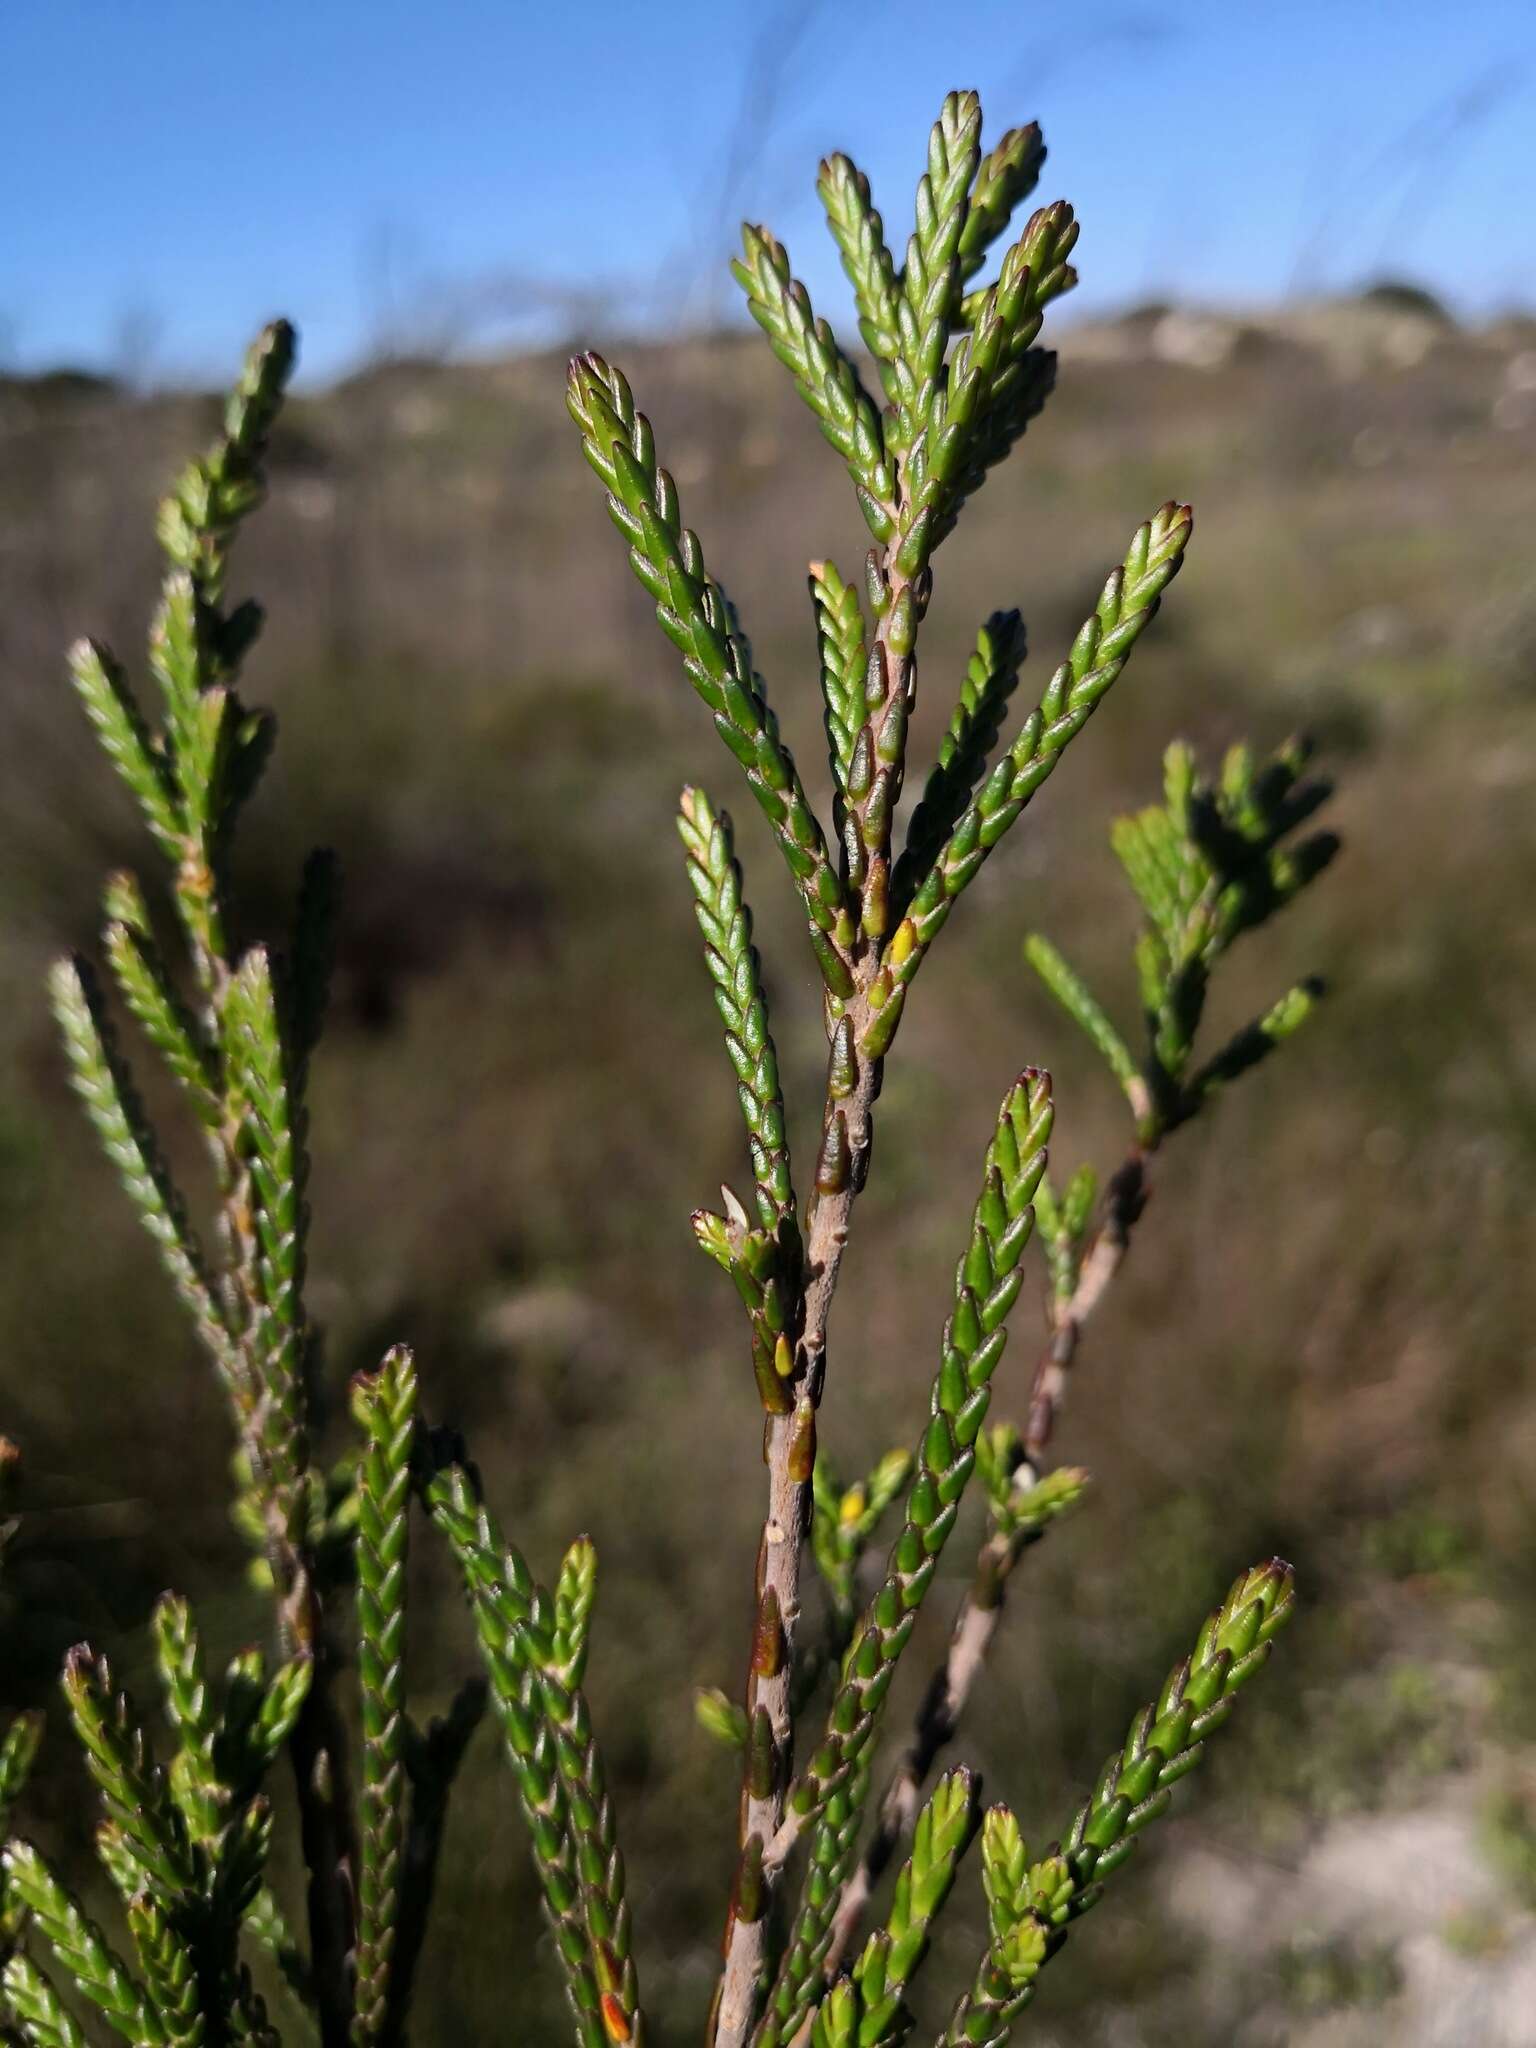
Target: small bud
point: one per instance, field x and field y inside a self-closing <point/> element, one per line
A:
<point x="123" y="902"/>
<point x="861" y="769"/>
<point x="720" y="1717"/>
<point x="877" y="1039"/>
<point x="760" y="1756"/>
<point x="900" y="631"/>
<point x="360" y="1392"/>
<point x="876" y="517"/>
<point x="912" y="555"/>
<point x="832" y="1165"/>
<point x="853" y="847"/>
<point x="802" y="1442"/>
<point x="843" y="1072"/>
<point x="874" y="903"/>
<point x="877" y="810"/>
<point x="768" y="1636"/>
<point x="891" y="739"/>
<point x="772" y="1391"/>
<point x="747" y="1904"/>
<point x="322" y="1779"/>
<point x="834" y="969"/>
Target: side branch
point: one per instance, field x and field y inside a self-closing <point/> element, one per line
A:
<point x="1124" y="1199"/>
<point x="950" y="1688"/>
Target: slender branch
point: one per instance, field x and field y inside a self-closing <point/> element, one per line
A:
<point x="263" y="1127"/>
<point x="433" y="1759"/>
<point x="949" y="1690"/>
<point x="318" y="1749"/>
<point x="879" y="752"/>
<point x="937" y="1719"/>
<point x="789" y="1450"/>
<point x="1124" y="1199"/>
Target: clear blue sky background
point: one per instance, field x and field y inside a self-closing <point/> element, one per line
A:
<point x="173" y="171"/>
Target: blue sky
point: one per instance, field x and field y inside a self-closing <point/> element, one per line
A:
<point x="174" y="171"/>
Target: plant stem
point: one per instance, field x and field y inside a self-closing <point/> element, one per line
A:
<point x="317" y="1748"/>
<point x="789" y="1451"/>
<point x="950" y="1688"/>
<point x="853" y="1084"/>
<point x="279" y="1456"/>
<point x="937" y="1720"/>
<point x="1124" y="1199"/>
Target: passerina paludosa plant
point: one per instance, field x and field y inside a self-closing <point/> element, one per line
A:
<point x="959" y="375"/>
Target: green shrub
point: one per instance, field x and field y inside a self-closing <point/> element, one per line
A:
<point x="185" y="1841"/>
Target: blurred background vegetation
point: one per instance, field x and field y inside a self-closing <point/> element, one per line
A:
<point x="1321" y="1343"/>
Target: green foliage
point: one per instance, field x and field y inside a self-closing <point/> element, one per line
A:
<point x="104" y="1084"/>
<point x="987" y="1283"/>
<point x="235" y="1019"/>
<point x="891" y="1957"/>
<point x="36" y="2007"/>
<point x="1208" y="864"/>
<point x="698" y="618"/>
<point x="184" y="1847"/>
<point x="81" y="1949"/>
<point x="843" y="1519"/>
<point x="860" y="236"/>
<point x="1022" y="1513"/>
<point x="763" y="1260"/>
<point x="823" y="375"/>
<point x="1031" y="1905"/>
<point x="844" y="662"/>
<point x="1099" y="653"/>
<point x="990" y="680"/>
<point x="386" y="1408"/>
